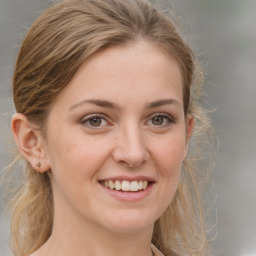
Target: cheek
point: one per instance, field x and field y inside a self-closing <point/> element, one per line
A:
<point x="75" y="165"/>
<point x="168" y="158"/>
<point x="77" y="156"/>
<point x="169" y="155"/>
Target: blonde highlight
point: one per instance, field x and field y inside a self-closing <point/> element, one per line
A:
<point x="57" y="44"/>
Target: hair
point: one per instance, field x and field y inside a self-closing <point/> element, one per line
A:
<point x="55" y="47"/>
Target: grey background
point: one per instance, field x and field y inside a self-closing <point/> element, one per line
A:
<point x="223" y="34"/>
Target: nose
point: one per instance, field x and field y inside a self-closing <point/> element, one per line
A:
<point x="130" y="148"/>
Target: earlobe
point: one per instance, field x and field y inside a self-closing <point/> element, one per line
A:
<point x="189" y="130"/>
<point x="29" y="142"/>
<point x="190" y="126"/>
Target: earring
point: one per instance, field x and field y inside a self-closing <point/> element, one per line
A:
<point x="38" y="164"/>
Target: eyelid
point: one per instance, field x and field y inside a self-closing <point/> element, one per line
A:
<point x="169" y="118"/>
<point x="87" y="118"/>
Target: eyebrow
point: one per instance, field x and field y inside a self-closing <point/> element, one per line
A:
<point x="111" y="105"/>
<point x="159" y="103"/>
<point x="100" y="103"/>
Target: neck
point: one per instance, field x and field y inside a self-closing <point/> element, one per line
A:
<point x="73" y="237"/>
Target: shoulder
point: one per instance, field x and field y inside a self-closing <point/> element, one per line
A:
<point x="156" y="251"/>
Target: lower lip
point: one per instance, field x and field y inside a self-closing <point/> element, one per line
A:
<point x="129" y="196"/>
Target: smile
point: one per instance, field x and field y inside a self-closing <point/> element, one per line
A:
<point x="126" y="185"/>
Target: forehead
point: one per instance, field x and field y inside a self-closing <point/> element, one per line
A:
<point x="127" y="72"/>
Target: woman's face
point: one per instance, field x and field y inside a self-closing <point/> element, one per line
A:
<point x="116" y="139"/>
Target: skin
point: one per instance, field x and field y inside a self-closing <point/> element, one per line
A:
<point x="140" y="130"/>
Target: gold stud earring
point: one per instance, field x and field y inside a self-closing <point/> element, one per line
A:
<point x="38" y="164"/>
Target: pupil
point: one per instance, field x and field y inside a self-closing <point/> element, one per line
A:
<point x="95" y="121"/>
<point x="158" y="120"/>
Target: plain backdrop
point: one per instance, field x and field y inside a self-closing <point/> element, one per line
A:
<point x="223" y="35"/>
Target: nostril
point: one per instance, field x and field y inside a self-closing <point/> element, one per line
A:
<point x="130" y="151"/>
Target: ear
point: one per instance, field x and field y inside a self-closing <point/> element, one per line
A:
<point x="190" y="126"/>
<point x="189" y="129"/>
<point x="30" y="142"/>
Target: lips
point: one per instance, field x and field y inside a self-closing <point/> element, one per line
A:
<point x="128" y="189"/>
<point x="125" y="185"/>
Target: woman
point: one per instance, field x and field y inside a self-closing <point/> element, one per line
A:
<point x="106" y="94"/>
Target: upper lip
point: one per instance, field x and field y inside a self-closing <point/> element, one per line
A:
<point x="136" y="178"/>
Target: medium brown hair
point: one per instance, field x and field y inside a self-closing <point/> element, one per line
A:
<point x="57" y="44"/>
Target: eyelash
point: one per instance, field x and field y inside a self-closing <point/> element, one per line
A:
<point x="167" y="119"/>
<point x="85" y="120"/>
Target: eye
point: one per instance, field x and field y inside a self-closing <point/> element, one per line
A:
<point x="161" y="120"/>
<point x="158" y="120"/>
<point x="94" y="121"/>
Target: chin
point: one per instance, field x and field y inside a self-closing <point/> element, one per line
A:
<point x="130" y="223"/>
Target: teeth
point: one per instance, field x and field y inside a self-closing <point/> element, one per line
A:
<point x="134" y="186"/>
<point x="145" y="184"/>
<point x="140" y="187"/>
<point x="126" y="185"/>
<point x="118" y="185"/>
<point x="111" y="184"/>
